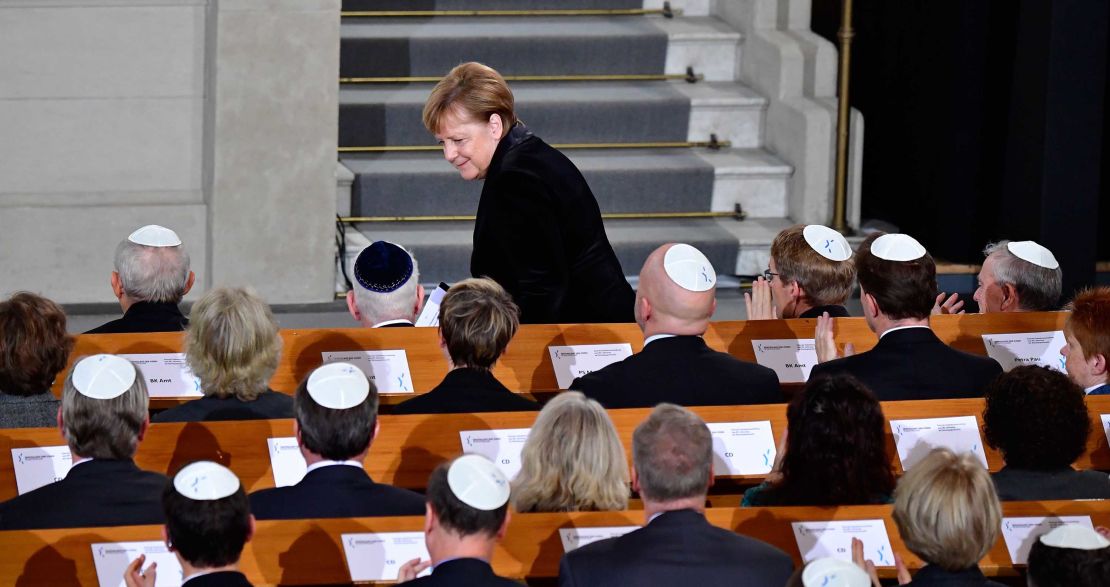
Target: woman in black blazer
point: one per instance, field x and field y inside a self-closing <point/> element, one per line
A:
<point x="538" y="230"/>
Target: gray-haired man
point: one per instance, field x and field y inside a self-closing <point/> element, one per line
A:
<point x="150" y="278"/>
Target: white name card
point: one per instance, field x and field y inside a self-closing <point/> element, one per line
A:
<point x="574" y="361"/>
<point x="1106" y="426"/>
<point x="916" y="438"/>
<point x="1019" y="533"/>
<point x="387" y="370"/>
<point x="40" y="465"/>
<point x="379" y="556"/>
<point x="822" y="539"/>
<point x="1027" y="348"/>
<point x="577" y="537"/>
<point x="742" y="448"/>
<point x="167" y="375"/>
<point x="286" y="460"/>
<point x="111" y="560"/>
<point x="500" y="446"/>
<point x="792" y="359"/>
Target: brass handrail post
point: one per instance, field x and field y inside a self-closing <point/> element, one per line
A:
<point x="843" y="114"/>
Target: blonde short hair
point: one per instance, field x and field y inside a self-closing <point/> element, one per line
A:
<point x="572" y="461"/>
<point x="825" y="281"/>
<point x="477" y="319"/>
<point x="947" y="510"/>
<point x="232" y="343"/>
<point x="476" y="89"/>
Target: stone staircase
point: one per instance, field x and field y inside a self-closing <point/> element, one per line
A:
<point x="650" y="181"/>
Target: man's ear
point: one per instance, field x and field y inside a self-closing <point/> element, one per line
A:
<point x="352" y="307"/>
<point x="144" y="427"/>
<point x="712" y="476"/>
<point x="635" y="478"/>
<point x="430" y="520"/>
<point x="117" y="285"/>
<point x="505" y="524"/>
<point x="645" y="309"/>
<point x="189" y="283"/>
<point x="61" y="422"/>
<point x="1097" y="363"/>
<point x="1009" y="297"/>
<point x="297" y="432"/>
<point x="419" y="302"/>
<point x="166" y="535"/>
<point x="377" y="428"/>
<point x="870" y="306"/>
<point x="797" y="292"/>
<point x="250" y="530"/>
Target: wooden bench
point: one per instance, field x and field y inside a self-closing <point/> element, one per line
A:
<point x="526" y="366"/>
<point x="310" y="552"/>
<point x="409" y="447"/>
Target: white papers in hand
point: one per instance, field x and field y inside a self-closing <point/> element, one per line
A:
<point x="834" y="539"/>
<point x="429" y="316"/>
<point x="577" y="537"/>
<point x="111" y="560"/>
<point x="573" y="361"/>
<point x="40" y="465"/>
<point x="742" y="448"/>
<point x="379" y="556"/>
<point x="792" y="359"/>
<point x="166" y="375"/>
<point x="387" y="370"/>
<point x="1026" y="348"/>
<point x="286" y="460"/>
<point x="1019" y="533"/>
<point x="502" y="447"/>
<point x="916" y="438"/>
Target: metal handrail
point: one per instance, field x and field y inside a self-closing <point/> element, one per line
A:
<point x="736" y="214"/>
<point x="713" y="143"/>
<point x="666" y="12"/>
<point x="689" y="76"/>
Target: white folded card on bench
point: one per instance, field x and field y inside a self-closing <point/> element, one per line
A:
<point x="574" y="361"/>
<point x="379" y="556"/>
<point x="502" y="447"/>
<point x="742" y="448"/>
<point x="916" y="438"/>
<point x="166" y="375"/>
<point x="791" y="358"/>
<point x="286" y="460"/>
<point x="577" y="537"/>
<point x="1026" y="348"/>
<point x="40" y="465"/>
<point x="834" y="539"/>
<point x="1020" y="533"/>
<point x="111" y="560"/>
<point x="387" y="370"/>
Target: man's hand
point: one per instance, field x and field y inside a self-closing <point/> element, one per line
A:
<point x="826" y="343"/>
<point x="409" y="570"/>
<point x="869" y="567"/>
<point x="759" y="303"/>
<point x="134" y="576"/>
<point x="953" y="305"/>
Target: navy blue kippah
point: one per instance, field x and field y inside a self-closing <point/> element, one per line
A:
<point x="383" y="267"/>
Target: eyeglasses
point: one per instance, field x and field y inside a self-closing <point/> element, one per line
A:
<point x="768" y="275"/>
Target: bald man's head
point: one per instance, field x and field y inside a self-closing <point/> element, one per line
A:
<point x="663" y="306"/>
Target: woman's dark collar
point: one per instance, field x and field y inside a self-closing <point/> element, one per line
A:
<point x="516" y="135"/>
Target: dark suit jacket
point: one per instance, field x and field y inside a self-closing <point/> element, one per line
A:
<point x="681" y="370"/>
<point x="100" y="492"/>
<point x="146" y="317"/>
<point x="930" y="575"/>
<point x="915" y="364"/>
<point x="464" y="572"/>
<point x="1101" y="390"/>
<point x="336" y="491"/>
<point x="835" y="311"/>
<point x="221" y="579"/>
<point x="269" y="405"/>
<point x="538" y="233"/>
<point x="466" y="390"/>
<point x="29" y="411"/>
<point x="677" y="548"/>
<point x="1026" y="485"/>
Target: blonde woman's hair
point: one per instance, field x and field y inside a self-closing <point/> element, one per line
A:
<point x="477" y="319"/>
<point x="572" y="460"/>
<point x="232" y="343"/>
<point x="476" y="89"/>
<point x="947" y="510"/>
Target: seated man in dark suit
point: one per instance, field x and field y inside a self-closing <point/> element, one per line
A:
<point x="672" y="469"/>
<point x="336" y="419"/>
<point x="674" y="303"/>
<point x="467" y="515"/>
<point x="477" y="319"/>
<point x="208" y="520"/>
<point x="152" y="275"/>
<point x="810" y="272"/>
<point x="386" y="290"/>
<point x="102" y="418"/>
<point x="898" y="284"/>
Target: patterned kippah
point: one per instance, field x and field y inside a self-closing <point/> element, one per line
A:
<point x="383" y="267"/>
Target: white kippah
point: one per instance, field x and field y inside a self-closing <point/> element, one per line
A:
<point x="478" y="483"/>
<point x="103" y="376"/>
<point x="832" y="572"/>
<point x="897" y="247"/>
<point x="153" y="235"/>
<point x="205" y="481"/>
<point x="1074" y="536"/>
<point x="689" y="268"/>
<point x="338" y="386"/>
<point x="1034" y="253"/>
<point x="828" y="243"/>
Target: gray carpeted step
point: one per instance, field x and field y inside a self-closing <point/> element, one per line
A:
<point x="422" y="184"/>
<point x="569" y="112"/>
<point x="491" y="4"/>
<point x="443" y="248"/>
<point x="511" y="45"/>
